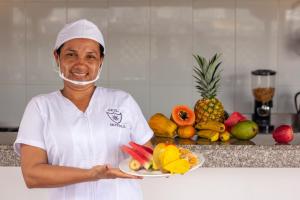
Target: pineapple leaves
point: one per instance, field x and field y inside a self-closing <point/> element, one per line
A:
<point x="207" y="75"/>
<point x="202" y="64"/>
<point x="199" y="73"/>
<point x="200" y="83"/>
<point x="214" y="72"/>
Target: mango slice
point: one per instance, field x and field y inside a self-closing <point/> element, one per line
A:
<point x="170" y="154"/>
<point x="156" y="152"/>
<point x="179" y="166"/>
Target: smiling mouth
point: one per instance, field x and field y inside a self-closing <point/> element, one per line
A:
<point x="79" y="75"/>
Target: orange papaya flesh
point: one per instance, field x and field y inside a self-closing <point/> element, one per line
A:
<point x="182" y="115"/>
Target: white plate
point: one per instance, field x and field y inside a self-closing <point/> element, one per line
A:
<point x="124" y="167"/>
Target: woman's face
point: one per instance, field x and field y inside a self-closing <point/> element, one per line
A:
<point x="80" y="59"/>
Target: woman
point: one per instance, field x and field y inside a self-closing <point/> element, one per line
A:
<point x="69" y="140"/>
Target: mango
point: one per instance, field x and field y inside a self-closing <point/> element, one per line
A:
<point x="179" y="166"/>
<point x="168" y="158"/>
<point x="159" y="148"/>
<point x="170" y="154"/>
<point x="245" y="130"/>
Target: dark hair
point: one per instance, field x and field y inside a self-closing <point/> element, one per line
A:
<point x="101" y="48"/>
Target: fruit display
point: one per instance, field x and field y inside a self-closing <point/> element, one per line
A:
<point x="244" y="130"/>
<point x="138" y="156"/>
<point x="162" y="126"/>
<point x="283" y="134"/>
<point x="182" y="115"/>
<point x="208" y="76"/>
<point x="235" y="126"/>
<point x="208" y="118"/>
<point x="168" y="158"/>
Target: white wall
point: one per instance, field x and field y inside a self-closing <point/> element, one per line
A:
<point x="204" y="183"/>
<point x="149" y="48"/>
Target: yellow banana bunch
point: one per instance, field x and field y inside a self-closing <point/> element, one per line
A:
<point x="211" y="125"/>
<point x="209" y="134"/>
<point x="213" y="131"/>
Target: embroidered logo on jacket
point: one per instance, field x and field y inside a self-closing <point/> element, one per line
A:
<point x="115" y="116"/>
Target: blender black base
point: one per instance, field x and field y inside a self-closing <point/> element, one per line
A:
<point x="263" y="123"/>
<point x="266" y="129"/>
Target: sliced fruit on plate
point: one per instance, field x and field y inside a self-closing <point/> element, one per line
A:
<point x="135" y="165"/>
<point x="168" y="158"/>
<point x="169" y="154"/>
<point x="145" y="151"/>
<point x="156" y="152"/>
<point x="146" y="163"/>
<point x="189" y="156"/>
<point x="179" y="166"/>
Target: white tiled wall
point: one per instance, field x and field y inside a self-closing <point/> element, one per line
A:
<point x="150" y="44"/>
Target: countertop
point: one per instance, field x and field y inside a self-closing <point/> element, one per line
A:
<point x="261" y="151"/>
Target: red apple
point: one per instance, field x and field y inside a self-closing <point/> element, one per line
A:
<point x="283" y="134"/>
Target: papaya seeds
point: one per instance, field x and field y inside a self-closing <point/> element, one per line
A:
<point x="182" y="115"/>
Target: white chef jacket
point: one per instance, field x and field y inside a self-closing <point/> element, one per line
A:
<point x="84" y="139"/>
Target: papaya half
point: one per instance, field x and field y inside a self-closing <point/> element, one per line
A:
<point x="182" y="115"/>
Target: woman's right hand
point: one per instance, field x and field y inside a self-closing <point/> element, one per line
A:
<point x="38" y="173"/>
<point x="106" y="172"/>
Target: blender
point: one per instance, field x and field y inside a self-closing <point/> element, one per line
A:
<point x="263" y="88"/>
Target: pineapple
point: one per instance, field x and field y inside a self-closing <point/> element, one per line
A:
<point x="208" y="75"/>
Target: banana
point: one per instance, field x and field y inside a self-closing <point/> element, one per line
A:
<point x="211" y="125"/>
<point x="209" y="134"/>
<point x="224" y="136"/>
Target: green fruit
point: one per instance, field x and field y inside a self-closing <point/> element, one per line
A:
<point x="245" y="130"/>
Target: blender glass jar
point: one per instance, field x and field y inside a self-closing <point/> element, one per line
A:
<point x="263" y="84"/>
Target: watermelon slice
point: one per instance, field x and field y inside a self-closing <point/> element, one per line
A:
<point x="145" y="151"/>
<point x="233" y="119"/>
<point x="146" y="163"/>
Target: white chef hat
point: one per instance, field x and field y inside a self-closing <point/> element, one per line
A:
<point x="79" y="29"/>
